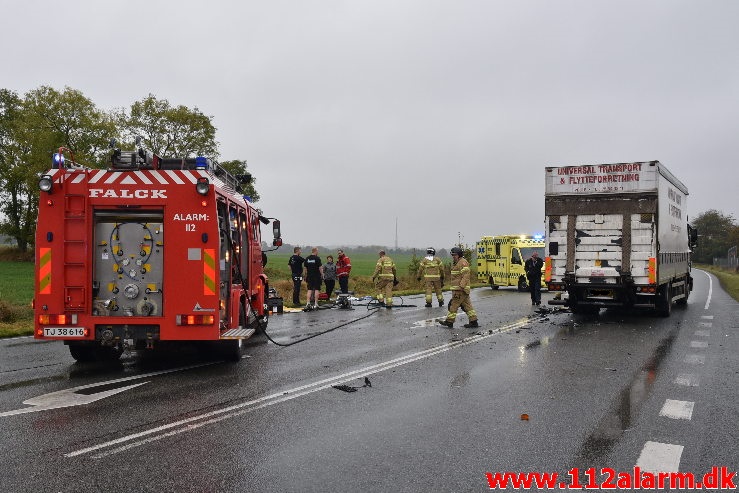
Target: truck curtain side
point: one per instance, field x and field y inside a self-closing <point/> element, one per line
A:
<point x="617" y="236"/>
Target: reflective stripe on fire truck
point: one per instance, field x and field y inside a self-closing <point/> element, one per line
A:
<point x="44" y="271"/>
<point x="209" y="271"/>
<point x="548" y="269"/>
<point x="652" y="269"/>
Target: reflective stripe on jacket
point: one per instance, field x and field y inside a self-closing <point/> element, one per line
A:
<point x="385" y="268"/>
<point x="460" y="275"/>
<point x="430" y="269"/>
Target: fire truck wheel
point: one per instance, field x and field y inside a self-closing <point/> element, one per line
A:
<point x="84" y="353"/>
<point x="232" y="350"/>
<point x="108" y="353"/>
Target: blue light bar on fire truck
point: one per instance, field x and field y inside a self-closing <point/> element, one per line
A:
<point x="57" y="161"/>
<point x="202" y="163"/>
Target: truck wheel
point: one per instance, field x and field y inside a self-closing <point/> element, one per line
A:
<point x="84" y="353"/>
<point x="232" y="350"/>
<point x="108" y="353"/>
<point x="664" y="302"/>
<point x="522" y="285"/>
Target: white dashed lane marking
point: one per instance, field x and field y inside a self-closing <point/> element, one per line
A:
<point x="660" y="457"/>
<point x="698" y="344"/>
<point x="677" y="409"/>
<point x="695" y="359"/>
<point x="687" y="379"/>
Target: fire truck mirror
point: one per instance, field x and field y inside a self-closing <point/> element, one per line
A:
<point x="276" y="229"/>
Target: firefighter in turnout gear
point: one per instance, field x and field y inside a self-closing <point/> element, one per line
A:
<point x="431" y="269"/>
<point x="460" y="291"/>
<point x="384" y="278"/>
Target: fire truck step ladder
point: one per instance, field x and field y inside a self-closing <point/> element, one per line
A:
<point x="238" y="333"/>
<point x="75" y="251"/>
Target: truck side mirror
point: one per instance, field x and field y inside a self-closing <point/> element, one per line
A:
<point x="276" y="233"/>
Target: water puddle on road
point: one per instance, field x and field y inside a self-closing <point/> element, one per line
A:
<point x="625" y="409"/>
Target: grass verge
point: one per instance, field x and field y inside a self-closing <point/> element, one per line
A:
<point x="729" y="279"/>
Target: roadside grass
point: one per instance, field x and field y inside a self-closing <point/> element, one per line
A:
<point x="729" y="279"/>
<point x="16" y="293"/>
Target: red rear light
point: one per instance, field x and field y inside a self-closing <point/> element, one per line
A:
<point x="57" y="319"/>
<point x="195" y="319"/>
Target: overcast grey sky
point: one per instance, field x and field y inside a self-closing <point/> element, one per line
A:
<point x="442" y="114"/>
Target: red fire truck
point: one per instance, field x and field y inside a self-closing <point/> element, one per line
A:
<point x="150" y="250"/>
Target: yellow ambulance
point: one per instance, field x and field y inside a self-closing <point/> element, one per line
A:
<point x="500" y="259"/>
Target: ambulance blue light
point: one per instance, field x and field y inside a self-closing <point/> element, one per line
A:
<point x="538" y="237"/>
<point x="57" y="161"/>
<point x="201" y="162"/>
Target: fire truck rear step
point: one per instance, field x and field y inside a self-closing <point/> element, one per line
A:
<point x="238" y="333"/>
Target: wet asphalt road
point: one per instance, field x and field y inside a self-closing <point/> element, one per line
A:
<point x="444" y="406"/>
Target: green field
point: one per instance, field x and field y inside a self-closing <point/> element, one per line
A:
<point x="363" y="264"/>
<point x="16" y="282"/>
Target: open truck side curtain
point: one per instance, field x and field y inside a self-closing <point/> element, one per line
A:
<point x="617" y="235"/>
<point x="500" y="259"/>
<point x="147" y="251"/>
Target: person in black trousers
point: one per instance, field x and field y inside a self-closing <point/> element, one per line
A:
<point x="296" y="267"/>
<point x="533" y="268"/>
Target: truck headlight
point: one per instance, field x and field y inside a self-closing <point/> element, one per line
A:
<point x="45" y="183"/>
<point x="202" y="186"/>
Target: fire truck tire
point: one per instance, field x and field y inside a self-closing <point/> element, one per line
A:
<point x="84" y="353"/>
<point x="108" y="353"/>
<point x="522" y="284"/>
<point x="232" y="350"/>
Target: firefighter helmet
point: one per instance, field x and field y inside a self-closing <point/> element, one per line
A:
<point x="431" y="251"/>
<point x="456" y="251"/>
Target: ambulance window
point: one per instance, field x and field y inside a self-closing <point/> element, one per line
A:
<point x="497" y="248"/>
<point x="515" y="256"/>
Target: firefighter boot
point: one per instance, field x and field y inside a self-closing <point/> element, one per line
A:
<point x="428" y="304"/>
<point x="441" y="303"/>
<point x="446" y="323"/>
<point x="472" y="325"/>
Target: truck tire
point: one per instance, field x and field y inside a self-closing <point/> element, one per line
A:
<point x="522" y="284"/>
<point x="84" y="353"/>
<point x="232" y="350"/>
<point x="663" y="304"/>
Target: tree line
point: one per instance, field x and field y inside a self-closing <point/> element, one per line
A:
<point x="35" y="125"/>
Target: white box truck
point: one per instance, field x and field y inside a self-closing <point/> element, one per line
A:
<point x="617" y="235"/>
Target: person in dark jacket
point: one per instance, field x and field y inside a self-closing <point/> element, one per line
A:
<point x="296" y="267"/>
<point x="533" y="268"/>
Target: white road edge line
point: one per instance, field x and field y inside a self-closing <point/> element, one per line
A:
<point x="276" y="398"/>
<point x="710" y="290"/>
